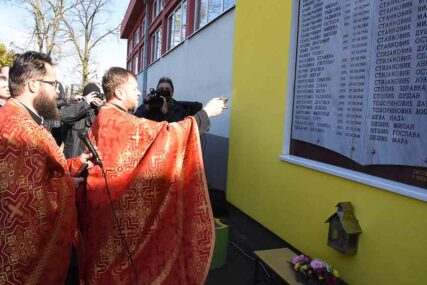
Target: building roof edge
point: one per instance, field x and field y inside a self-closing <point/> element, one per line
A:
<point x="134" y="7"/>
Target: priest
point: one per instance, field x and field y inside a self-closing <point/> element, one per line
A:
<point x="37" y="205"/>
<point x="159" y="228"/>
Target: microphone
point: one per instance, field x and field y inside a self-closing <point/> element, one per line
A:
<point x="85" y="139"/>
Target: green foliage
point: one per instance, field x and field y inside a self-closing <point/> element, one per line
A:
<point x="6" y="56"/>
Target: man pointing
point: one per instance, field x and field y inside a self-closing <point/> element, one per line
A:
<point x="156" y="177"/>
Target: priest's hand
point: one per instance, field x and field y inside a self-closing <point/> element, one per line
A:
<point x="77" y="181"/>
<point x="215" y="106"/>
<point x="87" y="157"/>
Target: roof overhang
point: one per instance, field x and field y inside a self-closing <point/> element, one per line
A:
<point x="134" y="10"/>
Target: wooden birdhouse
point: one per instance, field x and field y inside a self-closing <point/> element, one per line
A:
<point x="344" y="229"/>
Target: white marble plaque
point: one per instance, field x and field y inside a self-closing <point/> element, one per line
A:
<point x="361" y="76"/>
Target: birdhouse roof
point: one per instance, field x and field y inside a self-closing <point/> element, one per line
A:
<point x="346" y="218"/>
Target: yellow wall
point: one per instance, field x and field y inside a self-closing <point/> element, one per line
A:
<point x="294" y="201"/>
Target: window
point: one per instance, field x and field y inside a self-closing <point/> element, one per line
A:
<point x="214" y="9"/>
<point x="210" y="9"/>
<point x="228" y="3"/>
<point x="135" y="63"/>
<point x="156" y="45"/>
<point x="177" y="23"/>
<point x="142" y="28"/>
<point x="157" y="8"/>
<point x="202" y="13"/>
<point x="129" y="66"/>
<point x="135" y="37"/>
<point x="129" y="45"/>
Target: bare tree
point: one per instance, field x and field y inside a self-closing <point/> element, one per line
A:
<point x="87" y="26"/>
<point x="47" y="17"/>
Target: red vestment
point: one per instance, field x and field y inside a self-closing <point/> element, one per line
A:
<point x="37" y="205"/>
<point x="156" y="176"/>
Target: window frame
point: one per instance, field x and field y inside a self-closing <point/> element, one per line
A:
<point x="135" y="64"/>
<point x="142" y="28"/>
<point x="130" y="45"/>
<point x="197" y="19"/>
<point x="170" y="41"/>
<point x="135" y="38"/>
<point x="156" y="9"/>
<point x="156" y="49"/>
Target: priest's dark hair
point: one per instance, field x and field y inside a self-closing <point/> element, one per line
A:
<point x="113" y="78"/>
<point x="30" y="65"/>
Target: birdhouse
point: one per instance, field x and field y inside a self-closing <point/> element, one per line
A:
<point x="344" y="229"/>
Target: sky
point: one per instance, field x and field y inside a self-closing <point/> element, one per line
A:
<point x="14" y="21"/>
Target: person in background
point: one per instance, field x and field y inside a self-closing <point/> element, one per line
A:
<point x="160" y="106"/>
<point x="4" y="70"/>
<point x="79" y="116"/>
<point x="4" y="90"/>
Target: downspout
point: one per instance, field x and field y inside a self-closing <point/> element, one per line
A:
<point x="145" y="51"/>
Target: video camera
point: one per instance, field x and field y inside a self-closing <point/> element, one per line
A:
<point x="61" y="102"/>
<point x="100" y="96"/>
<point x="155" y="100"/>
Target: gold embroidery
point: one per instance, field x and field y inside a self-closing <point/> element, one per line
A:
<point x="136" y="137"/>
<point x="28" y="213"/>
<point x="152" y="204"/>
<point x="16" y="210"/>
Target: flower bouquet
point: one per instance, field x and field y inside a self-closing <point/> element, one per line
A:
<point x="311" y="271"/>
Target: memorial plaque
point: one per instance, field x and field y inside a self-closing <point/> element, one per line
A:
<point x="361" y="76"/>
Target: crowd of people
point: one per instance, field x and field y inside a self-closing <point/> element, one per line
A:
<point x="142" y="216"/>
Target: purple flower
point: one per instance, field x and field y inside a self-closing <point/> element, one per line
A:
<point x="317" y="264"/>
<point x="299" y="259"/>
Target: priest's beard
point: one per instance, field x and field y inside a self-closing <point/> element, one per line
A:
<point x="46" y="106"/>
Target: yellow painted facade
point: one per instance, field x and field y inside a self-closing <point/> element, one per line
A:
<point x="294" y="201"/>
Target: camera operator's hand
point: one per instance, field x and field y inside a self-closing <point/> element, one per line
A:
<point x="214" y="107"/>
<point x="92" y="98"/>
<point x="146" y="99"/>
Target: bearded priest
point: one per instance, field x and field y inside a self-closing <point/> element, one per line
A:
<point x="37" y="205"/>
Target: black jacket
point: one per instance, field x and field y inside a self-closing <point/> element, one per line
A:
<point x="75" y="117"/>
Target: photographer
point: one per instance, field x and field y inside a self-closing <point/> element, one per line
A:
<point x="79" y="116"/>
<point x="160" y="106"/>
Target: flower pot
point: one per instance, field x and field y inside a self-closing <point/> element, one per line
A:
<point x="308" y="279"/>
